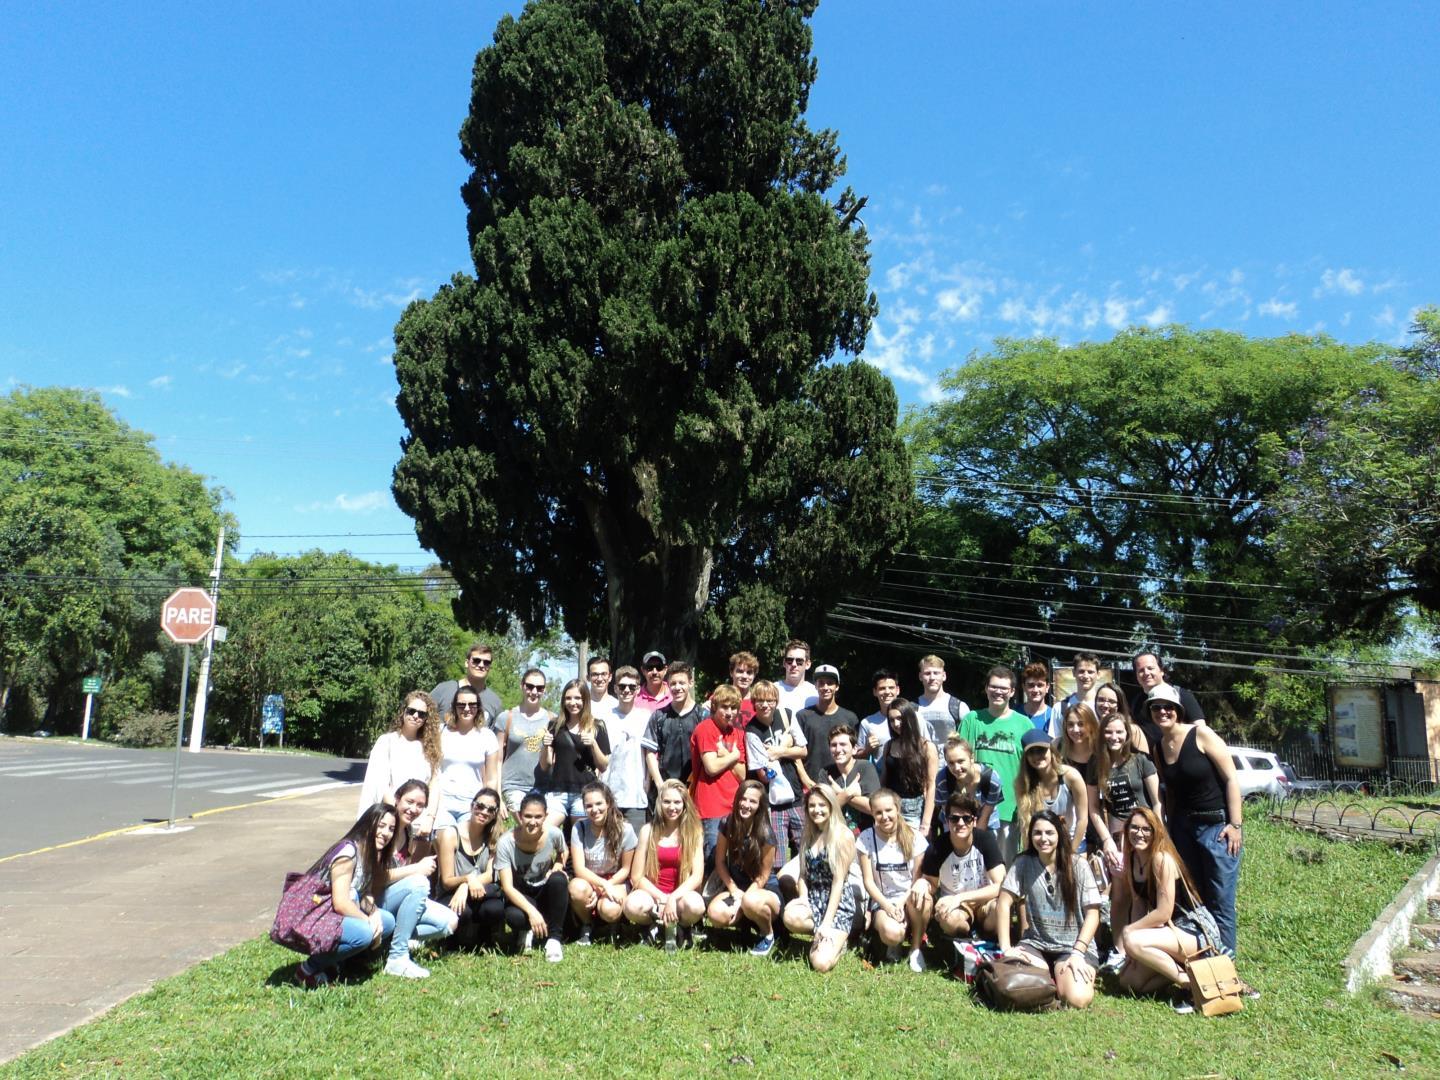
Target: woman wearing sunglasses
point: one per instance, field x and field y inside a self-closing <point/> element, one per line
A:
<point x="467" y="870"/>
<point x="522" y="739"/>
<point x="470" y="756"/>
<point x="410" y="750"/>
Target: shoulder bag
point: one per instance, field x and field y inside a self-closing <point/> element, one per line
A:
<point x="306" y="919"/>
<point x="1012" y="985"/>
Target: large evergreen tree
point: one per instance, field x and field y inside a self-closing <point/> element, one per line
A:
<point x="629" y="417"/>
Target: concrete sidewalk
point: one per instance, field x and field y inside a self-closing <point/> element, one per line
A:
<point x="83" y="928"/>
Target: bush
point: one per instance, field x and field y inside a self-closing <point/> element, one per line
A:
<point x="145" y="729"/>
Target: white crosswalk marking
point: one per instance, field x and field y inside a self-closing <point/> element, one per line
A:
<point x="308" y="789"/>
<point x="41" y="770"/>
<point x="273" y="782"/>
<point x="185" y="774"/>
<point x="82" y="771"/>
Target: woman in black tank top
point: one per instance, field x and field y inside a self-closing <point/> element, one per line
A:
<point x="1202" y="799"/>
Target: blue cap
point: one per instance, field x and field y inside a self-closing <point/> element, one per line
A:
<point x="1033" y="737"/>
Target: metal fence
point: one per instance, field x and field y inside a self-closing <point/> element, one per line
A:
<point x="1318" y="763"/>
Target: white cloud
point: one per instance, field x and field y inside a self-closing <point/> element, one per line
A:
<point x="161" y="382"/>
<point x="1280" y="309"/>
<point x="365" y="503"/>
<point x="958" y="303"/>
<point x="1385" y="317"/>
<point x="1158" y="316"/>
<point x="889" y="353"/>
<point x="116" y="391"/>
<point x="1344" y="281"/>
<point x="1117" y="313"/>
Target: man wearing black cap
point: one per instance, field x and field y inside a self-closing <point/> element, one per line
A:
<point x="654" y="695"/>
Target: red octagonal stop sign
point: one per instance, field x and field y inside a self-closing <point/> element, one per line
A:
<point x="188" y="615"/>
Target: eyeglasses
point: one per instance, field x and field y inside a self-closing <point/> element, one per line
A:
<point x="961" y="819"/>
<point x="1141" y="830"/>
<point x="794" y="659"/>
<point x="479" y="661"/>
<point x="535" y="689"/>
<point x="626" y="687"/>
<point x="757" y="702"/>
<point x="466" y="706"/>
<point x="419" y="714"/>
<point x="487" y="808"/>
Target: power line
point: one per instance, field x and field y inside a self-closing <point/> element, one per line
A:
<point x="1081" y="572"/>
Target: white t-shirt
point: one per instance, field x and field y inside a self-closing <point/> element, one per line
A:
<point x="626" y="771"/>
<point x="799" y="697"/>
<point x="604" y="708"/>
<point x="462" y="764"/>
<point x="393" y="760"/>
<point x="875" y="724"/>
<point x="891" y="869"/>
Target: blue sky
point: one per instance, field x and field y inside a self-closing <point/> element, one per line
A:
<point x="214" y="216"/>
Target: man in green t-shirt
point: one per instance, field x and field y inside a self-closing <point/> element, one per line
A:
<point x="994" y="733"/>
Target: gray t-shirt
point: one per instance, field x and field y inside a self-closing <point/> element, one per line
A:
<point x="521" y="771"/>
<point x="530" y="867"/>
<point x="597" y="859"/>
<point x="1052" y="928"/>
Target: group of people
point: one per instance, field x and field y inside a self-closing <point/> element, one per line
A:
<point x="770" y="806"/>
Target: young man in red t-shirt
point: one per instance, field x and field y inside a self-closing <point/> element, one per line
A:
<point x="717" y="762"/>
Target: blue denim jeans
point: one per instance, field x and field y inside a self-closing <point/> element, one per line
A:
<point x="415" y="915"/>
<point x="355" y="936"/>
<point x="1215" y="870"/>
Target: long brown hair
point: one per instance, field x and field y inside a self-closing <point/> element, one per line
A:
<point x="904" y="834"/>
<point x="429" y="727"/>
<point x="372" y="860"/>
<point x="745" y="842"/>
<point x="1105" y="763"/>
<point x="1161" y="847"/>
<point x="1092" y="729"/>
<point x="1064" y="858"/>
<point x="587" y="719"/>
<point x="1030" y="782"/>
<point x="613" y="831"/>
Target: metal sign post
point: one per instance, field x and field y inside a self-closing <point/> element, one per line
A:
<point x="91" y="686"/>
<point x="179" y="737"/>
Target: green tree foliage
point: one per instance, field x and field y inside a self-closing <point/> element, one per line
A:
<point x="94" y="531"/>
<point x="627" y="418"/>
<point x="1123" y="494"/>
<point x="1360" y="487"/>
<point x="341" y="638"/>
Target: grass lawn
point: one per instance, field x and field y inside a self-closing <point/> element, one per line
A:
<point x="636" y="1011"/>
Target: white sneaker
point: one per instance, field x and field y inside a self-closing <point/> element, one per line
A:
<point x="554" y="951"/>
<point x="528" y="941"/>
<point x="405" y="968"/>
<point x="917" y="961"/>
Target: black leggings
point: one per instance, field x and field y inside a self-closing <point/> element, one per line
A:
<point x="551" y="898"/>
<point x="482" y="918"/>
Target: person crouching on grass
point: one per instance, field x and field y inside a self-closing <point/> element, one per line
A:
<point x="669" y="867"/>
<point x="602" y="853"/>
<point x="1062" y="907"/>
<point x="890" y="855"/>
<point x="825" y="907"/>
<point x="744" y="883"/>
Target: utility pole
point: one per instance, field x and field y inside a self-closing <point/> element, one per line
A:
<point x="202" y="692"/>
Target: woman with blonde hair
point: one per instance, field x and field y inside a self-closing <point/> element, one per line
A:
<point x="890" y="856"/>
<point x="667" y="873"/>
<point x="825" y="907"/>
<point x="1044" y="782"/>
<point x="410" y="750"/>
<point x="576" y="750"/>
<point x="1155" y="913"/>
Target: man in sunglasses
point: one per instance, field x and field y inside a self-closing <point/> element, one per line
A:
<point x="655" y="694"/>
<point x="961" y="879"/>
<point x="626" y="727"/>
<point x="796" y="692"/>
<point x="478" y="659"/>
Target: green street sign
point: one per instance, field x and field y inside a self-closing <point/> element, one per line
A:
<point x="91" y="684"/>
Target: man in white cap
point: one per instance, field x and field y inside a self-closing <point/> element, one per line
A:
<point x="816" y="722"/>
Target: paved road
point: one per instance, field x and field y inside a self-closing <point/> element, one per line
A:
<point x="54" y="792"/>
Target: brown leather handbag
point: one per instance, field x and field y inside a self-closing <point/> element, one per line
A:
<point x="1215" y="988"/>
<point x="1012" y="985"/>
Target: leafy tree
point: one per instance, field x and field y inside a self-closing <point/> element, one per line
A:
<point x="95" y="529"/>
<point x="1128" y="484"/>
<point x="626" y="418"/>
<point x="1358" y="483"/>
<point x="341" y="638"/>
